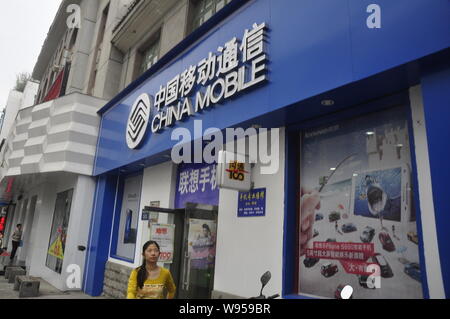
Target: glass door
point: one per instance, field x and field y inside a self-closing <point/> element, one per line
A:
<point x="194" y="249"/>
<point x="174" y="218"/>
<point x="199" y="251"/>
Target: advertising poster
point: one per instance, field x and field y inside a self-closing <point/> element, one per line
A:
<point x="202" y="243"/>
<point x="357" y="221"/>
<point x="129" y="217"/>
<point x="164" y="235"/>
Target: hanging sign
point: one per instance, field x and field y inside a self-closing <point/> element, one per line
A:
<point x="234" y="171"/>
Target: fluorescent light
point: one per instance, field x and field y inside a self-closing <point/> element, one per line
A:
<point x="332" y="169"/>
<point x="370" y="133"/>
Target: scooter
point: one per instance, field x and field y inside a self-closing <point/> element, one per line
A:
<point x="264" y="280"/>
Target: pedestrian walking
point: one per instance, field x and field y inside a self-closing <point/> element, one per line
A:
<point x="151" y="281"/>
<point x="16" y="238"/>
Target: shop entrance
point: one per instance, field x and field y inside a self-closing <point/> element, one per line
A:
<point x="194" y="248"/>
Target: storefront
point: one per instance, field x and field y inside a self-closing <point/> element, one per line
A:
<point x="349" y="103"/>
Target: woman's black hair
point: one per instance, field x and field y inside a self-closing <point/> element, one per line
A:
<point x="142" y="271"/>
<point x="205" y="226"/>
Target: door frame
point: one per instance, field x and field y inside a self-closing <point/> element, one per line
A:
<point x="181" y="221"/>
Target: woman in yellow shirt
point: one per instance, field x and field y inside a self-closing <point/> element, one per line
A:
<point x="150" y="281"/>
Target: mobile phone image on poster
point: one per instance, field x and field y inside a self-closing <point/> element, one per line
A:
<point x="356" y="210"/>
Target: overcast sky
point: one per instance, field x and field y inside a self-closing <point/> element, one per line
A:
<point x="24" y="25"/>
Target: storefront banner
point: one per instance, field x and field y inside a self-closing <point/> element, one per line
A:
<point x="253" y="203"/>
<point x="164" y="235"/>
<point x="202" y="243"/>
<point x="197" y="183"/>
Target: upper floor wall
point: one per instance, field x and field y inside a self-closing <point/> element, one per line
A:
<point x="152" y="28"/>
<point x="114" y="42"/>
<point x="72" y="54"/>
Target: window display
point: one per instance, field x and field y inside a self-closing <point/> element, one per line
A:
<point x="357" y="220"/>
<point x="128" y="218"/>
<point x="58" y="235"/>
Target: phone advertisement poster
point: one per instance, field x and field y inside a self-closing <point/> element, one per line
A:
<point x="357" y="219"/>
<point x="202" y="243"/>
<point x="164" y="235"/>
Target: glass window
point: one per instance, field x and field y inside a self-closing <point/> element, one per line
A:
<point x="357" y="175"/>
<point x="58" y="234"/>
<point x="149" y="57"/>
<point x="127" y="222"/>
<point x="205" y="9"/>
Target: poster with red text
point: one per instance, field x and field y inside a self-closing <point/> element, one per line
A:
<point x="357" y="219"/>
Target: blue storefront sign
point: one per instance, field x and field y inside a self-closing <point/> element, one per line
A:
<point x="362" y="64"/>
<point x="344" y="46"/>
<point x="252" y="203"/>
<point x="196" y="183"/>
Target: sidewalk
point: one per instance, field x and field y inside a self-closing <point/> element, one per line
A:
<point x="46" y="291"/>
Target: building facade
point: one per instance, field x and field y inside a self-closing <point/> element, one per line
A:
<point x="49" y="145"/>
<point x="345" y="96"/>
<point x="335" y="110"/>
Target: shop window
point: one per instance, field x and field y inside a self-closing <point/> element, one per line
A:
<point x="126" y="218"/>
<point x="58" y="234"/>
<point x="205" y="9"/>
<point x="356" y="209"/>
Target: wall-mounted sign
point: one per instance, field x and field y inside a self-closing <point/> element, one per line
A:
<point x="164" y="235"/>
<point x="235" y="67"/>
<point x="196" y="183"/>
<point x="234" y="171"/>
<point x="252" y="203"/>
<point x="145" y="215"/>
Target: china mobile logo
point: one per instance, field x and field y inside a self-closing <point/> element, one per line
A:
<point x="73" y="281"/>
<point x="138" y="121"/>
